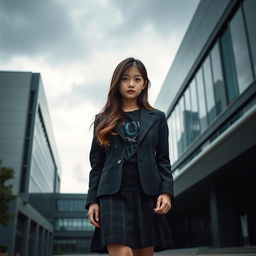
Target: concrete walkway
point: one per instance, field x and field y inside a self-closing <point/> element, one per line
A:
<point x="172" y="254"/>
<point x="203" y="251"/>
<point x="175" y="254"/>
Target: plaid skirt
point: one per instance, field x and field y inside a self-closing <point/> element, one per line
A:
<point x="128" y="218"/>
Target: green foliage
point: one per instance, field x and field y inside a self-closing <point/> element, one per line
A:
<point x="6" y="194"/>
<point x="3" y="248"/>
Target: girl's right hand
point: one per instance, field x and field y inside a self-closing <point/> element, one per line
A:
<point x="93" y="214"/>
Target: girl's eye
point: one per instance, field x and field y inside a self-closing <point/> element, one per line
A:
<point x="124" y="78"/>
<point x="138" y="79"/>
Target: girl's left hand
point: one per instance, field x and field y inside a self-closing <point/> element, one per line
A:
<point x="163" y="204"/>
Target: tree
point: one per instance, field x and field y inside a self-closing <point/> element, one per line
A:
<point x="6" y="194"/>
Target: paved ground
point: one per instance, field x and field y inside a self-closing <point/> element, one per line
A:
<point x="202" y="251"/>
<point x="177" y="254"/>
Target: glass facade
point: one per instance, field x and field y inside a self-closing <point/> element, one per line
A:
<point x="71" y="245"/>
<point x="210" y="98"/>
<point x="187" y="116"/>
<point x="194" y="111"/>
<point x="249" y="10"/>
<point x="241" y="52"/>
<point x="182" y="125"/>
<point x="229" y="66"/>
<point x="171" y="140"/>
<point x="72" y="228"/>
<point x="173" y="131"/>
<point x="218" y="80"/>
<point x="201" y="100"/>
<point x="70" y="205"/>
<point x="179" y="128"/>
<point x="73" y="224"/>
<point x="224" y="74"/>
<point x="42" y="163"/>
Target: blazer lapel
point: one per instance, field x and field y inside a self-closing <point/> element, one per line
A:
<point x="147" y="118"/>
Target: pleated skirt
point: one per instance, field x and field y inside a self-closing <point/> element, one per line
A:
<point x="128" y="218"/>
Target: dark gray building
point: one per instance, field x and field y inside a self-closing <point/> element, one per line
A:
<point x="72" y="230"/>
<point x="27" y="145"/>
<point x="209" y="97"/>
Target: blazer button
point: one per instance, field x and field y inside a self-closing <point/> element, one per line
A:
<point x="119" y="161"/>
<point x="116" y="146"/>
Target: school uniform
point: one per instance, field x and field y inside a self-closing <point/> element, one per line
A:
<point x="126" y="213"/>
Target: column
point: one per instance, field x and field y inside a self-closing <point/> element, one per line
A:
<point x="36" y="239"/>
<point x="225" y="221"/>
<point x="25" y="246"/>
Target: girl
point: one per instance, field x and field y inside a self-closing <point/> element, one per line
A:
<point x="130" y="185"/>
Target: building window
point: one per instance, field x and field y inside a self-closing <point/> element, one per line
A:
<point x="241" y="54"/>
<point x="201" y="100"/>
<point x="175" y="133"/>
<point x="187" y="116"/>
<point x="42" y="163"/>
<point x="179" y="130"/>
<point x="72" y="245"/>
<point x="73" y="224"/>
<point x="228" y="65"/>
<point x="182" y="125"/>
<point x="249" y="10"/>
<point x="171" y="136"/>
<point x="70" y="205"/>
<point x="210" y="98"/>
<point x="218" y="81"/>
<point x="194" y="109"/>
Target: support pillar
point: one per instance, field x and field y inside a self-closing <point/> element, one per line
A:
<point x="36" y="241"/>
<point x="225" y="220"/>
<point x="25" y="246"/>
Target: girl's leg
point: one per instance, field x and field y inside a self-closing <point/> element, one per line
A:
<point x="147" y="251"/>
<point x="119" y="250"/>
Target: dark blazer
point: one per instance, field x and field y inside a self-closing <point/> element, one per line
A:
<point x="152" y="153"/>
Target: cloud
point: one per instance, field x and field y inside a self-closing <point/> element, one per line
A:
<point x="165" y="16"/>
<point x="68" y="31"/>
<point x="39" y="28"/>
<point x="94" y="94"/>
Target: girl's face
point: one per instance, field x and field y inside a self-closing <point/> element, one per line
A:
<point x="131" y="83"/>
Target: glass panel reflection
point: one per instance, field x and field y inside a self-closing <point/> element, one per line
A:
<point x="70" y="205"/>
<point x="178" y="122"/>
<point x="241" y="54"/>
<point x="194" y="109"/>
<point x="42" y="163"/>
<point x="229" y="66"/>
<point x="73" y="224"/>
<point x="182" y="124"/>
<point x="171" y="137"/>
<point x="249" y="9"/>
<point x="71" y="245"/>
<point x="218" y="81"/>
<point x="201" y="100"/>
<point x="176" y="132"/>
<point x="187" y="117"/>
<point x="210" y="99"/>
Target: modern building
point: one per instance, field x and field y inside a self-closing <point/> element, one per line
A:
<point x="27" y="145"/>
<point x="209" y="97"/>
<point x="72" y="230"/>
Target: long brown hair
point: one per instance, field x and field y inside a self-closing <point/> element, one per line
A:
<point x="112" y="112"/>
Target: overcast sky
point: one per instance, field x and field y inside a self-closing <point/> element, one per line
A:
<point x="76" y="45"/>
